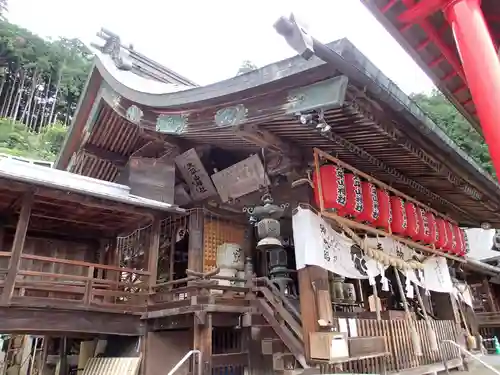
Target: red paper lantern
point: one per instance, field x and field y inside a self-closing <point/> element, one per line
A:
<point x="442" y="242"/>
<point x="399" y="223"/>
<point x="424" y="234"/>
<point x="466" y="242"/>
<point x="371" y="209"/>
<point x="414" y="224"/>
<point x="452" y="244"/>
<point x="459" y="235"/>
<point x="332" y="187"/>
<point x="431" y="219"/>
<point x="384" y="203"/>
<point x="354" y="202"/>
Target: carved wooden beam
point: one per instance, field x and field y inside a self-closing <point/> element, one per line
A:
<point x="286" y="156"/>
<point x="268" y="140"/>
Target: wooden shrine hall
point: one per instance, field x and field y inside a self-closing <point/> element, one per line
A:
<point x="321" y="229"/>
<point x="60" y="270"/>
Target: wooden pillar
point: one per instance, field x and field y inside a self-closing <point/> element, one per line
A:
<point x="195" y="230"/>
<point x="309" y="311"/>
<point x="102" y="256"/>
<point x="489" y="294"/>
<point x="202" y="337"/>
<point x="4" y="262"/>
<point x="17" y="247"/>
<point x="154" y="248"/>
<point x="63" y="356"/>
<point x="113" y="259"/>
<point x="2" y="236"/>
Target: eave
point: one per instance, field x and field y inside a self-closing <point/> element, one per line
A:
<point x="376" y="128"/>
<point x="431" y="44"/>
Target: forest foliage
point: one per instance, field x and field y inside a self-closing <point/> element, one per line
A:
<point x="447" y="117"/>
<point x="41" y="81"/>
<point x="40" y="84"/>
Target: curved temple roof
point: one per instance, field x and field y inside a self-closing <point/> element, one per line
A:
<point x="374" y="126"/>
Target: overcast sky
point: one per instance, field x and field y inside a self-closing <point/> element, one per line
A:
<point x="206" y="41"/>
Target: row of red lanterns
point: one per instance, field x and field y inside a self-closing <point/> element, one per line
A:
<point x="362" y="201"/>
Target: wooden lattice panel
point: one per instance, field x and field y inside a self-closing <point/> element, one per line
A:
<point x="215" y="233"/>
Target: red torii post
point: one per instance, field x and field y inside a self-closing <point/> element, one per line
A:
<point x="480" y="61"/>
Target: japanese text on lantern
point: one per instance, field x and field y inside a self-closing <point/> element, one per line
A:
<point x="341" y="190"/>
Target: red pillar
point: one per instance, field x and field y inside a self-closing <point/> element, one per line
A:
<point x="481" y="67"/>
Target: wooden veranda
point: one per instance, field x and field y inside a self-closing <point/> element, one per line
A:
<point x="59" y="263"/>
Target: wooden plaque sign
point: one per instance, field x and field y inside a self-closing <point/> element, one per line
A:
<point x="152" y="178"/>
<point x="195" y="175"/>
<point x="240" y="179"/>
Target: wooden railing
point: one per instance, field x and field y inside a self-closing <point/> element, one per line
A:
<point x="398" y="341"/>
<point x="199" y="284"/>
<point x="95" y="285"/>
<point x="282" y="316"/>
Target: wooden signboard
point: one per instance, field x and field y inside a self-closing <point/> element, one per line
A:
<point x="152" y="178"/>
<point x="195" y="175"/>
<point x="240" y="179"/>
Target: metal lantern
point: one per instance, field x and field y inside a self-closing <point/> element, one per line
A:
<point x="266" y="219"/>
<point x="268" y="228"/>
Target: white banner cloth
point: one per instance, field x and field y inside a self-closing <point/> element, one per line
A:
<point x="316" y="243"/>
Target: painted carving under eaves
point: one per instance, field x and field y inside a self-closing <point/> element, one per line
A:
<point x="134" y="114"/>
<point x="171" y="124"/>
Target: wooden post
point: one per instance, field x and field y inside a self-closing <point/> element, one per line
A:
<point x="202" y="330"/>
<point x="63" y="358"/>
<point x="102" y="257"/>
<point x="309" y="307"/>
<point x="44" y="354"/>
<point x="113" y="256"/>
<point x="4" y="261"/>
<point x="195" y="230"/>
<point x="309" y="310"/>
<point x="154" y="248"/>
<point x="17" y="247"/>
<point x="87" y="297"/>
<point x="491" y="300"/>
<point x="2" y="236"/>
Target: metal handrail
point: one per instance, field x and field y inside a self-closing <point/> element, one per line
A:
<point x="185" y="358"/>
<point x="473" y="356"/>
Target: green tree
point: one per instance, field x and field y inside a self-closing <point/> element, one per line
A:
<point x="16" y="140"/>
<point x="447" y="117"/>
<point x="40" y="83"/>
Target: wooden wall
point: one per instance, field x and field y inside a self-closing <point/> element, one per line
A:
<point x="58" y="249"/>
<point x="164" y="350"/>
<point x="215" y="233"/>
<point x="54" y="248"/>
